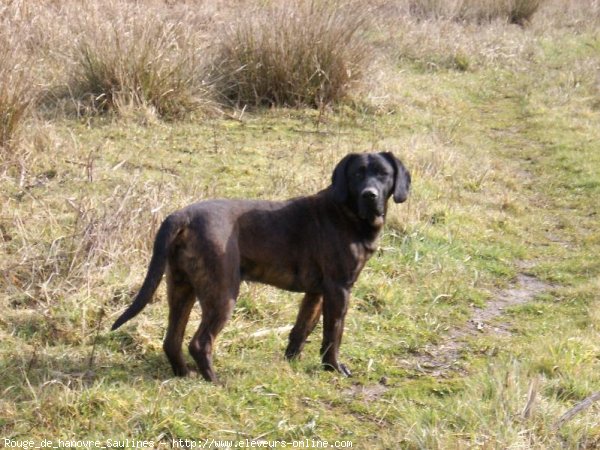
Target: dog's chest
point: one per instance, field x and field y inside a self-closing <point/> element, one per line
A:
<point x="355" y="260"/>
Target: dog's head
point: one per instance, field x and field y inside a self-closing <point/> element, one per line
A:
<point x="366" y="181"/>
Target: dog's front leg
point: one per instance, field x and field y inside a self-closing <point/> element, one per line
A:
<point x="335" y="305"/>
<point x="308" y="317"/>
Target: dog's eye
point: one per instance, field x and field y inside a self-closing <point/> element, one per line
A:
<point x="359" y="175"/>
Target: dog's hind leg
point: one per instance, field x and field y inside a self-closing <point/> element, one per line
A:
<point x="181" y="298"/>
<point x="216" y="278"/>
<point x="215" y="314"/>
<point x="308" y="317"/>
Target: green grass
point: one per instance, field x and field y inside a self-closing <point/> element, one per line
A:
<point x="506" y="174"/>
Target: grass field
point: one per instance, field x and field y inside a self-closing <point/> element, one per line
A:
<point x="476" y="325"/>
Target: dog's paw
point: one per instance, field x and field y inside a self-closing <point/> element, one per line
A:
<point x="344" y="370"/>
<point x="341" y="368"/>
<point x="292" y="354"/>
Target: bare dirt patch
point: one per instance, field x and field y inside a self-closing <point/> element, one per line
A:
<point x="368" y="393"/>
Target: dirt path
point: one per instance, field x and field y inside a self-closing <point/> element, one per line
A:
<point x="441" y="358"/>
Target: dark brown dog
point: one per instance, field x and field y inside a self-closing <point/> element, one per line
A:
<point x="317" y="245"/>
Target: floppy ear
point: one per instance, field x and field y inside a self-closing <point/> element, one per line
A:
<point x="339" y="181"/>
<point x="401" y="178"/>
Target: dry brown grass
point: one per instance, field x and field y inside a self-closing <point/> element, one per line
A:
<point x="17" y="88"/>
<point x="306" y="53"/>
<point x="153" y="57"/>
<point x="128" y="57"/>
<point x="15" y="99"/>
<point x="513" y="11"/>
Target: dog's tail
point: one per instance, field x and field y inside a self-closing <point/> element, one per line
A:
<point x="165" y="236"/>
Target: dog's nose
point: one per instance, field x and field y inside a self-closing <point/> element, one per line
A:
<point x="369" y="194"/>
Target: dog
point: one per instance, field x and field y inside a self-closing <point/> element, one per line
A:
<point x="316" y="245"/>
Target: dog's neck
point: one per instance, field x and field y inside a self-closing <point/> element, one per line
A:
<point x="372" y="232"/>
<point x="368" y="229"/>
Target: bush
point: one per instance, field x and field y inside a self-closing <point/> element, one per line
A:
<point x="513" y="11"/>
<point x="15" y="98"/>
<point x="133" y="59"/>
<point x="521" y="11"/>
<point x="17" y="91"/>
<point x="306" y="53"/>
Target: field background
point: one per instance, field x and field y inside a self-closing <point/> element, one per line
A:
<point x="477" y="324"/>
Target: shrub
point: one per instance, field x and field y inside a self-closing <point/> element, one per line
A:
<point x="513" y="11"/>
<point x="15" y="98"/>
<point x="521" y="11"/>
<point x="136" y="60"/>
<point x="17" y="91"/>
<point x="306" y="53"/>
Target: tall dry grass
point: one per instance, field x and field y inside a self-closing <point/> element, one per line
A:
<point x="513" y="11"/>
<point x="16" y="97"/>
<point x="130" y="57"/>
<point x="17" y="86"/>
<point x="307" y="53"/>
<point x="155" y="57"/>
